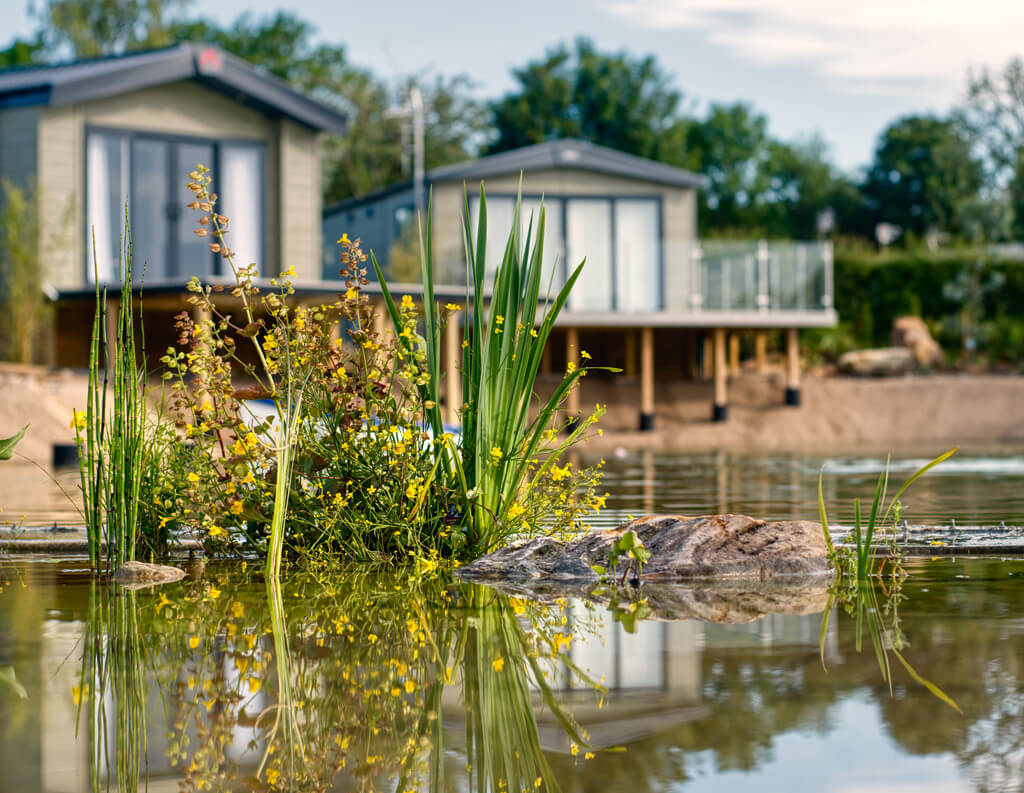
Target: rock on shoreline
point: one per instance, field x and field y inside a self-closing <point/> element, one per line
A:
<point x="682" y="549"/>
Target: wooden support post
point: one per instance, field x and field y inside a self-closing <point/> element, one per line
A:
<point x="630" y="362"/>
<point x="113" y="306"/>
<point x="545" y="358"/>
<point x="572" y="348"/>
<point x="452" y="368"/>
<point x="761" y="351"/>
<point x="719" y="408"/>
<point x="379" y="326"/>
<point x="708" y="360"/>
<point x="734" y="354"/>
<point x="647" y="379"/>
<point x="793" y="367"/>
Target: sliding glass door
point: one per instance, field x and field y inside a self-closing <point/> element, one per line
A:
<point x="149" y="173"/>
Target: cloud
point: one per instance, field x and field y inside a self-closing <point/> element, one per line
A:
<point x="860" y="46"/>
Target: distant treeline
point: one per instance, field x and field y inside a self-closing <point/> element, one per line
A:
<point x="956" y="178"/>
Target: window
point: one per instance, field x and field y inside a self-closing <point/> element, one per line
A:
<point x="150" y="172"/>
<point x="619" y="237"/>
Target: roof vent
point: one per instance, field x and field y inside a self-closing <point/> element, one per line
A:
<point x="210" y="60"/>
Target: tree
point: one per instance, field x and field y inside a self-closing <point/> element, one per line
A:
<point x="88" y="28"/>
<point x="22" y="53"/>
<point x="613" y="100"/>
<point x="994" y="115"/>
<point x="922" y="176"/>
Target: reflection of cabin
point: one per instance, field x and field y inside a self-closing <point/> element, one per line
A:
<point x="650" y="291"/>
<point x="96" y="134"/>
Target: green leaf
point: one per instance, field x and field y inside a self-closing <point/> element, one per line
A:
<point x="7" y="444"/>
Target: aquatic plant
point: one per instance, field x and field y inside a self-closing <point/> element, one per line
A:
<point x="509" y="439"/>
<point x="111" y="438"/>
<point x="355" y="461"/>
<point x="858" y="560"/>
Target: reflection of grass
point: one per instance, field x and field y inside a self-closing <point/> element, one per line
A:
<point x="860" y="601"/>
<point x="113" y="676"/>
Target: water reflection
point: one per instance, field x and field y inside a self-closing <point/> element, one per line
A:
<point x="360" y="683"/>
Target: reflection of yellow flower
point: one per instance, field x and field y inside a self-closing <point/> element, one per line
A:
<point x="164" y="601"/>
<point x="272" y="775"/>
<point x="588" y="756"/>
<point x="498" y="664"/>
<point x="537" y="782"/>
<point x="410" y="686"/>
<point x="254" y="684"/>
<point x="193" y="642"/>
<point x="78" y="694"/>
<point x="574" y="749"/>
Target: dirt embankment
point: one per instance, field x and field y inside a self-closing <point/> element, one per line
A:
<point x="837" y="414"/>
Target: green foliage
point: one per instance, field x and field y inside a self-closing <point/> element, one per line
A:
<point x="7" y="444"/>
<point x="88" y="28"/>
<point x="612" y="99"/>
<point x="628" y="548"/>
<point x="111" y="437"/>
<point x="923" y="174"/>
<point x="874" y="289"/>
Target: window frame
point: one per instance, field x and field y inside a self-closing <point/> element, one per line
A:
<point x="215" y="143"/>
<point x="612" y="198"/>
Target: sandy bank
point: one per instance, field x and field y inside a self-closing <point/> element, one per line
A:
<point x="837" y="414"/>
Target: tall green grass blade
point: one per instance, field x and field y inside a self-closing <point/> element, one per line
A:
<point x="920" y="472"/>
<point x="823" y="516"/>
<point x="866" y="555"/>
<point x="934" y="689"/>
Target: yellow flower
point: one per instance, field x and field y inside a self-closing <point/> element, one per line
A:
<point x="163" y="522"/>
<point x="236" y="507"/>
<point x="289" y="273"/>
<point x="498" y="664"/>
<point x="496" y="455"/>
<point x="499" y="320"/>
<point x="214" y="593"/>
<point x="237" y="610"/>
<point x="453" y="307"/>
<point x="410" y="686"/>
<point x="533" y="332"/>
<point x="538" y="782"/>
<point x="574" y="749"/>
<point x="272" y="775"/>
<point x="193" y="477"/>
<point x="407" y="302"/>
<point x="216" y="531"/>
<point x="351" y="294"/>
<point x="78" y="420"/>
<point x="584" y="355"/>
<point x="193" y="642"/>
<point x="571" y="367"/>
<point x="515" y="511"/>
<point x="373" y="638"/>
<point x="230" y="488"/>
<point x="254" y="684"/>
<point x="78" y="694"/>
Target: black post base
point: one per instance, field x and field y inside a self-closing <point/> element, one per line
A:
<point x="793" y="397"/>
<point x="65" y="454"/>
<point x="571" y="425"/>
<point x="646" y="422"/>
<point x="719" y="412"/>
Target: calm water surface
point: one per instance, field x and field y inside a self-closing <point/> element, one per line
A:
<point x="366" y="683"/>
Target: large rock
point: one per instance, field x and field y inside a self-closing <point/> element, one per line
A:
<point x="136" y="575"/>
<point x="913" y="333"/>
<point x="682" y="549"/>
<point x="883" y="362"/>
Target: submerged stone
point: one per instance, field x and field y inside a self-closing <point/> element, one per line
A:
<point x="681" y="548"/>
<point x="135" y="575"/>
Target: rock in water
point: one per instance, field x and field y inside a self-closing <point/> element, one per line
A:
<point x="710" y="547"/>
<point x="135" y="575"/>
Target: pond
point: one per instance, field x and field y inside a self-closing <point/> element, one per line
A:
<point x="363" y="682"/>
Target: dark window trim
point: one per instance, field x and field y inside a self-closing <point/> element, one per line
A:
<point x="172" y="138"/>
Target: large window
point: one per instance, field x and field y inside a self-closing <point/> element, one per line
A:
<point x="150" y="173"/>
<point x="619" y="237"/>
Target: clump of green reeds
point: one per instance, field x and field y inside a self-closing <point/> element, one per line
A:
<point x="505" y="451"/>
<point x="858" y="561"/>
<point x="110" y="437"/>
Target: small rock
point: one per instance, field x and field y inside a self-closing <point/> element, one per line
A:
<point x="883" y="362"/>
<point x="913" y="333"/>
<point x="136" y="575"/>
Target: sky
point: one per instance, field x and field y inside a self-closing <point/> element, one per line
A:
<point x="843" y="70"/>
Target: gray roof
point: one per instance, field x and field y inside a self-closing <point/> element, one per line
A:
<point x="575" y="154"/>
<point x="85" y="80"/>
